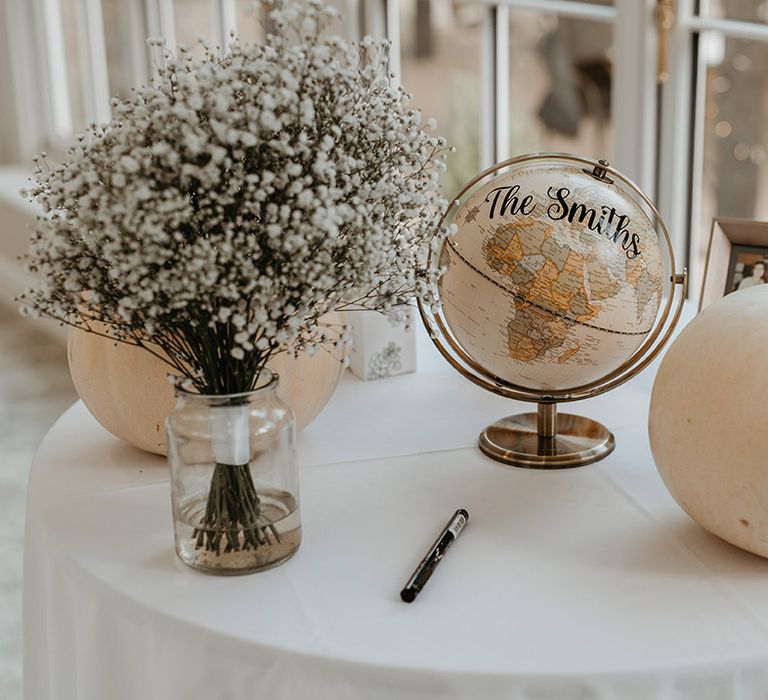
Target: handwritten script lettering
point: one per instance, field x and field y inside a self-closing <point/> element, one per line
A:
<point x="510" y="201"/>
<point x="604" y="220"/>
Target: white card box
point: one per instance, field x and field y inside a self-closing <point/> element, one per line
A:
<point x="380" y="349"/>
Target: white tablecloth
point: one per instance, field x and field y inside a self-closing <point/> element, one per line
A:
<point x="578" y="584"/>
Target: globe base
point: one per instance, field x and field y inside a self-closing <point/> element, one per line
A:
<point x="546" y="440"/>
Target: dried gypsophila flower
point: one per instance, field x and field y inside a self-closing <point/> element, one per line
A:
<point x="224" y="210"/>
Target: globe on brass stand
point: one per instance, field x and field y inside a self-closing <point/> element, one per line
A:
<point x="558" y="285"/>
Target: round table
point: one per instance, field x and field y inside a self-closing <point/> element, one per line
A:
<point x="584" y="583"/>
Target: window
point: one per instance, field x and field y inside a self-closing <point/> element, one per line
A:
<point x="502" y="77"/>
<point x="510" y="78"/>
<point x="717" y="108"/>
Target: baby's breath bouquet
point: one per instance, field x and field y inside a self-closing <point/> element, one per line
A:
<point x="228" y="207"/>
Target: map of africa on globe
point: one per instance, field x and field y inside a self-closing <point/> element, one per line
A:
<point x="553" y="279"/>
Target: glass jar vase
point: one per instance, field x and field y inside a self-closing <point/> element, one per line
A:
<point x="234" y="479"/>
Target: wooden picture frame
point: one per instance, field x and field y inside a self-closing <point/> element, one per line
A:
<point x="736" y="247"/>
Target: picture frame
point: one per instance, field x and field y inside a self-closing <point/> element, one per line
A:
<point x="737" y="248"/>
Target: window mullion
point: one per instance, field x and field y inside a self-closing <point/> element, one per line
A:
<point x="138" y="43"/>
<point x="563" y="8"/>
<point x="675" y="167"/>
<point x="226" y="20"/>
<point x="488" y="111"/>
<point x="160" y="24"/>
<point x="392" y="29"/>
<point x="738" y="29"/>
<point x="501" y="84"/>
<point x="51" y="46"/>
<point x="633" y="92"/>
<point x="93" y="61"/>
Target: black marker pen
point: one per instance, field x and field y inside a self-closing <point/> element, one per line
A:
<point x="434" y="555"/>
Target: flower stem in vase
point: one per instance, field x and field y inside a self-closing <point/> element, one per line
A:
<point x="232" y="513"/>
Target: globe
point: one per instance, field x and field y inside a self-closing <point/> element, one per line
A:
<point x="554" y="277"/>
<point x="557" y="285"/>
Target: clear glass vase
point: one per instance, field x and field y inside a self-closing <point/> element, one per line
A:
<point x="234" y="479"/>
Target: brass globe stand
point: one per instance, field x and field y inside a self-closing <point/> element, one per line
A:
<point x="546" y="440"/>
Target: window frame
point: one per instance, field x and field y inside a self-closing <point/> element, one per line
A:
<point x="682" y="122"/>
<point x="633" y="96"/>
<point x="657" y="130"/>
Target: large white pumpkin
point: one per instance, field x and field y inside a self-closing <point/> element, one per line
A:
<point x="127" y="391"/>
<point x="708" y="420"/>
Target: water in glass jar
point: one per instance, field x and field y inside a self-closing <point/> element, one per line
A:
<point x="280" y="534"/>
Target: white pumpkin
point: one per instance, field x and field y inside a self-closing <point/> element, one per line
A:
<point x="708" y="420"/>
<point x="127" y="391"/>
